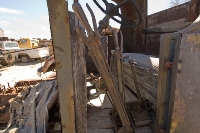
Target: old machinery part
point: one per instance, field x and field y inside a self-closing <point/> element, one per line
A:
<point x="113" y="10"/>
<point x="96" y="50"/>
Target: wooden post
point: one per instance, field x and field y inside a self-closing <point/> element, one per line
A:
<point x="79" y="76"/>
<point x="70" y="67"/>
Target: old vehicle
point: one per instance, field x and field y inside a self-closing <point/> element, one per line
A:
<point x="7" y="52"/>
<point x="28" y="43"/>
<point x="24" y="54"/>
<point x="48" y="43"/>
<point x="37" y="52"/>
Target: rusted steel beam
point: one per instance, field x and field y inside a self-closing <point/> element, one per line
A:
<point x="167" y="48"/>
<point x="60" y="30"/>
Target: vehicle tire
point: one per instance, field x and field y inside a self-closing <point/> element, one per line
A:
<point x="3" y="62"/>
<point x="25" y="58"/>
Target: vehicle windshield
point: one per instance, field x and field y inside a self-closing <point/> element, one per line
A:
<point x="33" y="41"/>
<point x="11" y="45"/>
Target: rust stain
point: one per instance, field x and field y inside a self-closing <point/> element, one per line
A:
<point x="66" y="19"/>
<point x="58" y="65"/>
<point x="194" y="40"/>
<point x="179" y="111"/>
<point x="59" y="48"/>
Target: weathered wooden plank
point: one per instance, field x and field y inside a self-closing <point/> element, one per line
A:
<point x="148" y="85"/>
<point x="129" y="97"/>
<point x="91" y="130"/>
<point x="79" y="76"/>
<point x="100" y="123"/>
<point x="99" y="118"/>
<point x="186" y="86"/>
<point x="142" y="70"/>
<point x="145" y="129"/>
<point x="143" y="76"/>
<point x="145" y="91"/>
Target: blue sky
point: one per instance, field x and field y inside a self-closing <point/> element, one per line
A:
<point x="29" y="18"/>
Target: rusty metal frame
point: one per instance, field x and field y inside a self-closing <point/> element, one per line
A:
<point x="167" y="49"/>
<point x="60" y="30"/>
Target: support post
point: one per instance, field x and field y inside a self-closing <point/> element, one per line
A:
<point x="70" y="67"/>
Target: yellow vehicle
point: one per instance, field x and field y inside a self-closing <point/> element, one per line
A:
<point x="28" y="43"/>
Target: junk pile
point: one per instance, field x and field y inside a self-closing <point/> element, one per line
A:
<point x="29" y="110"/>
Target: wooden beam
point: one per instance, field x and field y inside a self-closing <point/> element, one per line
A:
<point x="79" y="75"/>
<point x="60" y="30"/>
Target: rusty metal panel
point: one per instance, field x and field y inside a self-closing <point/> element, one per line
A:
<point x="133" y="37"/>
<point x="152" y="43"/>
<point x="180" y="14"/>
<point x="60" y="29"/>
<point x="185" y="101"/>
<point x="167" y="49"/>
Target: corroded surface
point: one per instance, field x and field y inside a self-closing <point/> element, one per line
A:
<point x="183" y="13"/>
<point x="185" y="112"/>
<point x="60" y="30"/>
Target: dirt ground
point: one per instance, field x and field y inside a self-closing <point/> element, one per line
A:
<point x="21" y="71"/>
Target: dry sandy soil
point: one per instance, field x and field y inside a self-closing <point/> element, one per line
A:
<point x="21" y="71"/>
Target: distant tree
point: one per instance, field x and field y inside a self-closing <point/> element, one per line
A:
<point x="177" y="2"/>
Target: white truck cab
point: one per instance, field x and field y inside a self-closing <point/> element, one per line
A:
<point x="7" y="52"/>
<point x="23" y="54"/>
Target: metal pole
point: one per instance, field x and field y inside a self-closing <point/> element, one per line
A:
<point x="60" y="30"/>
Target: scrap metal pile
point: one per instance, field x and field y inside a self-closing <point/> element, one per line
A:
<point x="29" y="109"/>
